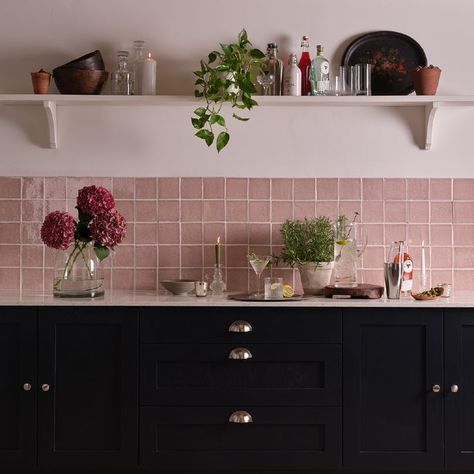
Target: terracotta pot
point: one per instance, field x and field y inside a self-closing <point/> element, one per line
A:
<point x="40" y="80"/>
<point x="426" y="81"/>
<point x="315" y="276"/>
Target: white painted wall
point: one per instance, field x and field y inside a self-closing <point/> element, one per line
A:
<point x="143" y="141"/>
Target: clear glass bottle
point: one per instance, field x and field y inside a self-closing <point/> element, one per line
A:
<point x="292" y="78"/>
<point x="305" y="66"/>
<point x="275" y="67"/>
<point x="139" y="56"/>
<point x="122" y="79"/>
<point x="319" y="74"/>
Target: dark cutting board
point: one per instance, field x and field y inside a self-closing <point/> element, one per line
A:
<point x="363" y="290"/>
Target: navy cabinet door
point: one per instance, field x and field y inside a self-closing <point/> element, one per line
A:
<point x="88" y="416"/>
<point x="393" y="420"/>
<point x="459" y="374"/>
<point x="17" y="387"/>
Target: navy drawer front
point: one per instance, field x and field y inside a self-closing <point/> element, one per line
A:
<point x="269" y="325"/>
<point x="203" y="438"/>
<point x="277" y="374"/>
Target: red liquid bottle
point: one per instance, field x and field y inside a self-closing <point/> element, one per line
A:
<point x="305" y="66"/>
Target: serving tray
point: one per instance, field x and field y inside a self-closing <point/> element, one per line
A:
<point x="261" y="298"/>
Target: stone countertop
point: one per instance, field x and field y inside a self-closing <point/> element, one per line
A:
<point x="150" y="298"/>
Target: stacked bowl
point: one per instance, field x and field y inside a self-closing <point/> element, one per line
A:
<point x="84" y="75"/>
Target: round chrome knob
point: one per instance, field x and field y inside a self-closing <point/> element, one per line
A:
<point x="240" y="326"/>
<point x="26" y="387"/>
<point x="240" y="416"/>
<point x="436" y="388"/>
<point x="240" y="353"/>
<point x="454" y="388"/>
<point x="45" y="387"/>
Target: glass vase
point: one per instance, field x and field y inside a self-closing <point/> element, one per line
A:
<point x="78" y="272"/>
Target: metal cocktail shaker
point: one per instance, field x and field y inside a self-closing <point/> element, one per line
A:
<point x="393" y="270"/>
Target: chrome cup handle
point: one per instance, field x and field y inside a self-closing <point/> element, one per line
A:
<point x="240" y="326"/>
<point x="240" y="353"/>
<point x="240" y="416"/>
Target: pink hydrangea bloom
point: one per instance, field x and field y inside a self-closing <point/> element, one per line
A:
<point x="108" y="229"/>
<point x="58" y="230"/>
<point x="95" y="200"/>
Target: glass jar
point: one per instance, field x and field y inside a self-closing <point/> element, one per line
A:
<point x="122" y="79"/>
<point x="78" y="272"/>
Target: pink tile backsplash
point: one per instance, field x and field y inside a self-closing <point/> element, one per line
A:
<point x="173" y="224"/>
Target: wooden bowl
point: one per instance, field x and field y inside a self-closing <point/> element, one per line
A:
<point x="79" y="81"/>
<point x="91" y="61"/>
<point x="178" y="287"/>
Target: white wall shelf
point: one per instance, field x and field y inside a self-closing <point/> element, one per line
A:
<point x="51" y="103"/>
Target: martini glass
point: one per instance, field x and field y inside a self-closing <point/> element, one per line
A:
<point x="266" y="80"/>
<point x="258" y="263"/>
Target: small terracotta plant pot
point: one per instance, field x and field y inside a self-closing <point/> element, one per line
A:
<point x="41" y="80"/>
<point x="426" y="80"/>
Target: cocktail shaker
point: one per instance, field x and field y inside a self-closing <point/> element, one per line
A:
<point x="393" y="270"/>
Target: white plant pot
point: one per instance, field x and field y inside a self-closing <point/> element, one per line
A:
<point x="315" y="276"/>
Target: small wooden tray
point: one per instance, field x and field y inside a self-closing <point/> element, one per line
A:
<point x="363" y="290"/>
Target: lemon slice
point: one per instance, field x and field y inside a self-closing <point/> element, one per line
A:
<point x="288" y="291"/>
<point x="343" y="242"/>
<point x="274" y="286"/>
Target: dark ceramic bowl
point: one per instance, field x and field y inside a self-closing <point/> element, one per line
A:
<point x="91" y="60"/>
<point x="79" y="81"/>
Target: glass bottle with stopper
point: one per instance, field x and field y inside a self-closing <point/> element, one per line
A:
<point x="144" y="71"/>
<point x="122" y="78"/>
<point x="275" y="68"/>
<point x="218" y="285"/>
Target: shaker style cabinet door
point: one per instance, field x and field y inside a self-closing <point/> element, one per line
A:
<point x="393" y="383"/>
<point x="87" y="402"/>
<point x="459" y="389"/>
<point x="18" y="387"/>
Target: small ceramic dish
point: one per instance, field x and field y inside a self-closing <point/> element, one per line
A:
<point x="429" y="295"/>
<point x="178" y="287"/>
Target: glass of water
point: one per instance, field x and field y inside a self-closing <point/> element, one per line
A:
<point x="273" y="288"/>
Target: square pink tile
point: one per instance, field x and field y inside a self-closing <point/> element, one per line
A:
<point x="129" y="234"/>
<point x="146" y="256"/>
<point x="441" y="234"/>
<point x="372" y="211"/>
<point x="463" y="189"/>
<point x="395" y="211"/>
<point x="373" y="257"/>
<point x="32" y="278"/>
<point x="190" y="233"/>
<point x="168" y="188"/>
<point x="103" y="181"/>
<point x="9" y="255"/>
<point x="122" y="188"/>
<point x="168" y="210"/>
<point x="32" y="211"/>
<point x="124" y="256"/>
<point x="191" y="256"/>
<point x="167" y="274"/>
<point x="394" y="188"/>
<point x="168" y="256"/>
<point x="441" y="212"/>
<point x="304" y="209"/>
<point x="282" y="188"/>
<point x="327" y="189"/>
<point x="417" y="233"/>
<point x="214" y="211"/>
<point x="463" y="234"/>
<point x="349" y="189"/>
<point x="192" y="273"/>
<point x="33" y="188"/>
<point x="214" y="188"/>
<point x="55" y="188"/>
<point x="349" y="208"/>
<point x="191" y="211"/>
<point x="236" y="188"/>
<point x="441" y="257"/>
<point x="237" y="233"/>
<point x="259" y="211"/>
<point x="237" y="256"/>
<point x="123" y="278"/>
<point x="212" y="230"/>
<point x="145" y="279"/>
<point x="375" y="234"/>
<point x="238" y="280"/>
<point x="10" y="187"/>
<point x="191" y="188"/>
<point x="31" y="233"/>
<point x="127" y="209"/>
<point x="145" y="188"/>
<point x="54" y="205"/>
<point x="375" y="277"/>
<point x="259" y="188"/>
<point x="145" y="211"/>
<point x="304" y="189"/>
<point x="32" y="256"/>
<point x="259" y="234"/>
<point x="327" y="208"/>
<point x="418" y="211"/>
<point x="236" y="211"/>
<point x="281" y="211"/>
<point x="73" y="184"/>
<point x="277" y="238"/>
<point x="463" y="257"/>
<point x="395" y="232"/>
<point x="440" y="189"/>
<point x="145" y="233"/>
<point x="463" y="280"/>
<point x="10" y="278"/>
<point x="418" y="189"/>
<point x="372" y="189"/>
<point x="464" y="212"/>
<point x="50" y="257"/>
<point x="168" y="233"/>
<point x="441" y="276"/>
<point x="10" y="210"/>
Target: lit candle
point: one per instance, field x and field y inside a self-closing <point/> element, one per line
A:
<point x="218" y="251"/>
<point x="146" y="76"/>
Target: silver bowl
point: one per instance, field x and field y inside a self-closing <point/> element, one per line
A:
<point x="178" y="287"/>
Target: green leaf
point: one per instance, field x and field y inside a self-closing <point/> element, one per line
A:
<point x="216" y="118"/>
<point x="212" y="57"/>
<point x="256" y="54"/>
<point x="243" y="38"/>
<point x="198" y="93"/>
<point x="222" y="140"/>
<point x="198" y="123"/>
<point x="101" y="251"/>
<point x="227" y="48"/>
<point x="200" y="111"/>
<point x="242" y="119"/>
<point x="206" y="135"/>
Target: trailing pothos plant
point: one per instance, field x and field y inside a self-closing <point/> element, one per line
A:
<point x="225" y="78"/>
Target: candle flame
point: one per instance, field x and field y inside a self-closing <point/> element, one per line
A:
<point x="149" y="55"/>
<point x="219" y="240"/>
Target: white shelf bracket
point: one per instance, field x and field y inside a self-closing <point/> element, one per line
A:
<point x="50" y="110"/>
<point x="430" y="114"/>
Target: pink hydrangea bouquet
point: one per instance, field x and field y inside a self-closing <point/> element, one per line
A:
<point x="99" y="225"/>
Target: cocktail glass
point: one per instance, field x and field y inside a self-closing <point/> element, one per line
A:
<point x="258" y="264"/>
<point x="265" y="80"/>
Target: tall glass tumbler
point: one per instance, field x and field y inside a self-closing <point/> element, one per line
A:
<point x="393" y="270"/>
<point x="363" y="79"/>
<point x="346" y="76"/>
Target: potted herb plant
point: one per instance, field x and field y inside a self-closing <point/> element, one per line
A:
<point x="227" y="77"/>
<point x="309" y="245"/>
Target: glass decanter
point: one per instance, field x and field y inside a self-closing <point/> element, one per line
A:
<point x="122" y="79"/>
